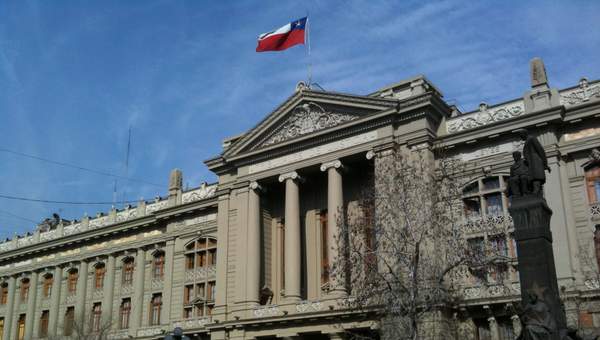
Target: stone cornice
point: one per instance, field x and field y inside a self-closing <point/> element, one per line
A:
<point x="110" y="230"/>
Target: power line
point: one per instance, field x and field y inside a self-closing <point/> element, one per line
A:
<point x="18" y="198"/>
<point x="98" y="172"/>
<point x="17" y="216"/>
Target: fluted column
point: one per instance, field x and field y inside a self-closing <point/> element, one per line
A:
<point x="31" y="296"/>
<point x="138" y="298"/>
<point x="10" y="304"/>
<point x="55" y="300"/>
<point x="253" y="256"/>
<point x="292" y="253"/>
<point x="168" y="282"/>
<point x="81" y="292"/>
<point x="108" y="290"/>
<point x="335" y="204"/>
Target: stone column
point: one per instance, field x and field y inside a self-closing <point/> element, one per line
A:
<point x="292" y="251"/>
<point x="516" y="324"/>
<point x="168" y="281"/>
<point x="80" y="294"/>
<point x="55" y="300"/>
<point x="335" y="204"/>
<point x="108" y="290"/>
<point x="10" y="304"/>
<point x="138" y="297"/>
<point x="32" y="294"/>
<point x="253" y="249"/>
<point x="494" y="328"/>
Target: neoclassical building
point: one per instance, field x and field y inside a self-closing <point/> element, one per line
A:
<point x="247" y="257"/>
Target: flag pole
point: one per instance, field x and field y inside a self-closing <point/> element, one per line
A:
<point x="308" y="51"/>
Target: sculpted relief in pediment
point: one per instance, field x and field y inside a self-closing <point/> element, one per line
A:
<point x="304" y="119"/>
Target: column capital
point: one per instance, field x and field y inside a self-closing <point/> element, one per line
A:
<point x="289" y="175"/>
<point x="337" y="164"/>
<point x="254" y="185"/>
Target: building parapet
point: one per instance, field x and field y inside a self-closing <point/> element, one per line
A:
<point x="103" y="220"/>
<point x="584" y="92"/>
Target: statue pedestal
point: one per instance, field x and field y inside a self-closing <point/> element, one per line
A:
<point x="537" y="273"/>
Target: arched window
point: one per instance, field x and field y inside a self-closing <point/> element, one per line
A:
<point x="201" y="253"/>
<point x="72" y="281"/>
<point x="127" y="275"/>
<point x="485" y="197"/>
<point x="99" y="271"/>
<point x="158" y="265"/>
<point x="4" y="293"/>
<point x="47" y="285"/>
<point x="24" y="289"/>
<point x="592" y="180"/>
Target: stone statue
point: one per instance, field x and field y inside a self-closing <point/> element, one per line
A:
<point x="518" y="183"/>
<point x="538" y="322"/>
<point x="177" y="335"/>
<point x="49" y="223"/>
<point x="537" y="163"/>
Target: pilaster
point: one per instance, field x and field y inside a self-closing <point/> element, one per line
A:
<point x="253" y="247"/>
<point x="222" y="251"/>
<point x="55" y="300"/>
<point x="81" y="291"/>
<point x="108" y="290"/>
<point x="138" y="297"/>
<point x="168" y="281"/>
<point x="31" y="298"/>
<point x="10" y="304"/>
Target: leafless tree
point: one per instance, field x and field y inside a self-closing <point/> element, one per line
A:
<point x="407" y="251"/>
<point x="85" y="331"/>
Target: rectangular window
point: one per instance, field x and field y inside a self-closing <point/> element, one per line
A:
<point x="494" y="204"/>
<point x="187" y="312"/>
<point x="155" y="308"/>
<point x="99" y="276"/>
<point x="210" y="291"/>
<point x="72" y="282"/>
<point x="69" y="321"/>
<point x="188" y="294"/>
<point x="212" y="257"/>
<point x="96" y="317"/>
<point x="491" y="183"/>
<point x="158" y="268"/>
<point x="24" y="290"/>
<point x="189" y="261"/>
<point x="44" y="324"/>
<point x="47" y="287"/>
<point x="472" y="207"/>
<point x="125" y="311"/>
<point x="4" y="294"/>
<point x="21" y="327"/>
<point x="128" y="272"/>
<point x="1" y="327"/>
<point x="498" y="244"/>
<point x="201" y="259"/>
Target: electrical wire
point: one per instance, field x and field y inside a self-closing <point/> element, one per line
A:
<point x="17" y="216"/>
<point x="18" y="198"/>
<point x="98" y="172"/>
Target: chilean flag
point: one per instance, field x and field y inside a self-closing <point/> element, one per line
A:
<point x="283" y="37"/>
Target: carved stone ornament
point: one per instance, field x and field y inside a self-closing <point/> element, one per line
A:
<point x="581" y="94"/>
<point x="305" y="119"/>
<point x="485" y="116"/>
<point x="594" y="155"/>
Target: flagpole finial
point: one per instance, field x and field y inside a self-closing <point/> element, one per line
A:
<point x="301" y="86"/>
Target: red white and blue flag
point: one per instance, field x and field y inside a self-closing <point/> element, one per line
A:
<point x="283" y="38"/>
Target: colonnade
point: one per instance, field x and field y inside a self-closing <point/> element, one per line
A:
<point x="292" y="234"/>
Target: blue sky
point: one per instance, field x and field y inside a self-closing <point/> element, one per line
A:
<point x="75" y="75"/>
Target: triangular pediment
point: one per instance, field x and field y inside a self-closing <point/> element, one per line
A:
<point x="306" y="113"/>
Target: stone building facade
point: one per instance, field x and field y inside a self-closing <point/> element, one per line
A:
<point x="246" y="257"/>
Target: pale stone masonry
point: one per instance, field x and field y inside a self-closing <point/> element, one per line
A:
<point x="248" y="257"/>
